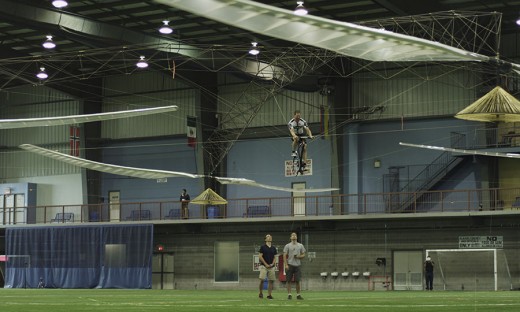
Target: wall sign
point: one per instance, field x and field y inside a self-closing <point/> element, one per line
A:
<point x="481" y="242"/>
<point x="289" y="168"/>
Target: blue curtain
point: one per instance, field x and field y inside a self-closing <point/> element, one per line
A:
<point x="111" y="256"/>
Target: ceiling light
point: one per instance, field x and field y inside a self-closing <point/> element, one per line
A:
<point x="59" y="3"/>
<point x="254" y="50"/>
<point x="518" y="21"/>
<point x="42" y="75"/>
<point x="165" y="28"/>
<point x="49" y="44"/>
<point x="300" y="9"/>
<point x="142" y="63"/>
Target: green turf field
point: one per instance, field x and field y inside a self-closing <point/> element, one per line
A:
<point x="57" y="300"/>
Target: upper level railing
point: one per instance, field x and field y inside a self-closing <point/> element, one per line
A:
<point x="353" y="204"/>
<point x="506" y="136"/>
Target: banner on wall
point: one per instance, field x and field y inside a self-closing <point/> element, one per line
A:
<point x="481" y="242"/>
<point x="289" y="168"/>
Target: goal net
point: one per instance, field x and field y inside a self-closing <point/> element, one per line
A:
<point x="470" y="269"/>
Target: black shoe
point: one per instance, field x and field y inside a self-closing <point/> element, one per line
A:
<point x="299" y="297"/>
<point x="260" y="296"/>
<point x="289" y="297"/>
<point x="270" y="297"/>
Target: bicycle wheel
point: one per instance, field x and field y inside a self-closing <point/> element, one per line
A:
<point x="301" y="147"/>
<point x="296" y="164"/>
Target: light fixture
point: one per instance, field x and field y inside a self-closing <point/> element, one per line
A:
<point x="165" y="28"/>
<point x="254" y="50"/>
<point x="518" y="21"/>
<point x="59" y="3"/>
<point x="49" y="44"/>
<point x="142" y="63"/>
<point x="42" y="75"/>
<point x="300" y="9"/>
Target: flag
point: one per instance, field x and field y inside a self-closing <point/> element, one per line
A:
<point x="191" y="130"/>
<point x="74" y="141"/>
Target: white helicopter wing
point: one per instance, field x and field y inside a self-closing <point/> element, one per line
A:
<point x="462" y="151"/>
<point x="343" y="38"/>
<point x="76" y="119"/>
<point x="242" y="181"/>
<point x="152" y="173"/>
<point x="108" y="168"/>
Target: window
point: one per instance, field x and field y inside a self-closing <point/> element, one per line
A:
<point x="226" y="261"/>
<point x="115" y="256"/>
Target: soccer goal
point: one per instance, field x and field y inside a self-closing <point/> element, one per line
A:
<point x="470" y="269"/>
<point x="17" y="271"/>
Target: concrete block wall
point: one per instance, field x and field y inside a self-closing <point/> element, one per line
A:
<point x="340" y="246"/>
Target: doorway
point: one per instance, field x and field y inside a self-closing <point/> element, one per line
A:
<point x="162" y="271"/>
<point x="408" y="270"/>
<point x="114" y="200"/>
<point x="12" y="209"/>
<point x="298" y="199"/>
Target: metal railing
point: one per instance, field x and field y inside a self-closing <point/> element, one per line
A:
<point x="506" y="136"/>
<point x="352" y="204"/>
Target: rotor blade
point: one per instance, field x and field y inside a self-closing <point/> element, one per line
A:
<point x="76" y="119"/>
<point x="151" y="173"/>
<point x="248" y="182"/>
<point x="462" y="151"/>
<point x="108" y="168"/>
<point x="341" y="37"/>
<point x="516" y="68"/>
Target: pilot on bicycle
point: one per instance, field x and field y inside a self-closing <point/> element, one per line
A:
<point x="299" y="128"/>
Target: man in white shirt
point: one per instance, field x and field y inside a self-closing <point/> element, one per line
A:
<point x="293" y="252"/>
<point x="298" y="127"/>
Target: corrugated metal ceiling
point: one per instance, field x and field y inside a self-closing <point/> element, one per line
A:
<point x="106" y="37"/>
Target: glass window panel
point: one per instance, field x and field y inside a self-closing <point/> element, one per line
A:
<point x="226" y="261"/>
<point x="115" y="255"/>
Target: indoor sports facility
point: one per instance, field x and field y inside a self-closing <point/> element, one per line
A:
<point x="411" y="120"/>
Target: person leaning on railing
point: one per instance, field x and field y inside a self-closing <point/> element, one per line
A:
<point x="185" y="199"/>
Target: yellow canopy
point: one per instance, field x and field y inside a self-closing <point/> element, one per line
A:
<point x="209" y="197"/>
<point x="496" y="106"/>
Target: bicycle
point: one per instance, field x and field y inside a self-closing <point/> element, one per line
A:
<point x="298" y="163"/>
